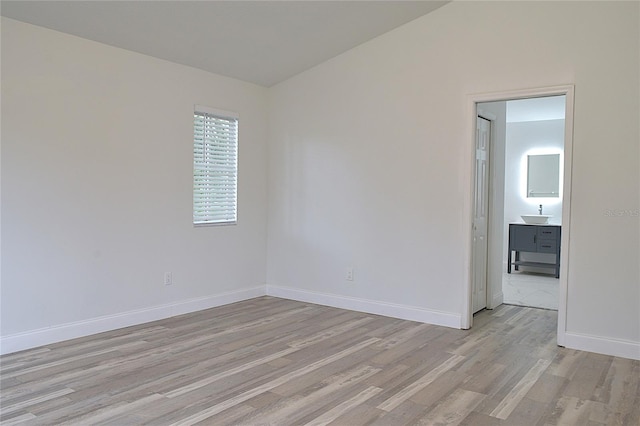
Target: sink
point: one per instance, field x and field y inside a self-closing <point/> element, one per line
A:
<point x="536" y="219"/>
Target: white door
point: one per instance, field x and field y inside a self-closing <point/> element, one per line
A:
<point x="480" y="216"/>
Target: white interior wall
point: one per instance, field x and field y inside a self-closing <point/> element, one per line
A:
<point x="370" y="161"/>
<point x="97" y="189"/>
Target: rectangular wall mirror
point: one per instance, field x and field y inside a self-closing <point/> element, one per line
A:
<point x="543" y="175"/>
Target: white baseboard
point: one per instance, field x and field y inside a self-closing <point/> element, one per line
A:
<point x="602" y="345"/>
<point x="405" y="312"/>
<point x="58" y="333"/>
<point x="496" y="300"/>
<point x="34" y="338"/>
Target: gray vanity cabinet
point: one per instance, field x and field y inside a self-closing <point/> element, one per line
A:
<point x="533" y="239"/>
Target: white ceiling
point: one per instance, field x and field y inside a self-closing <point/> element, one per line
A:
<point x="264" y="42"/>
<point x="536" y="109"/>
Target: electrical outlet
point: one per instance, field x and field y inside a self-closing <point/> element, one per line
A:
<point x="168" y="278"/>
<point x="349" y="275"/>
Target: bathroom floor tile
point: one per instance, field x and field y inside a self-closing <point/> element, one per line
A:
<point x="530" y="289"/>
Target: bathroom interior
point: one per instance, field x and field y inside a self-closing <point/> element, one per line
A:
<point x="526" y="179"/>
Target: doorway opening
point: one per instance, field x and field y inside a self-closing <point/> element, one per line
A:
<point x="504" y="191"/>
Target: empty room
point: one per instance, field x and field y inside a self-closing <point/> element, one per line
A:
<point x="304" y="212"/>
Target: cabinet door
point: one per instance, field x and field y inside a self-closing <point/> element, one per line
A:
<point x="523" y="237"/>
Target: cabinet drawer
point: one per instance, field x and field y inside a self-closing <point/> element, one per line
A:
<point x="548" y="232"/>
<point x="547" y="246"/>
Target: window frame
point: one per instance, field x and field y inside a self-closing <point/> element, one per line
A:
<point x="222" y="115"/>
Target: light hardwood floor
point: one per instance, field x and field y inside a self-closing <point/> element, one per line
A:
<point x="270" y="361"/>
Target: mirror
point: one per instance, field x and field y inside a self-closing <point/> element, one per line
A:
<point x="543" y="176"/>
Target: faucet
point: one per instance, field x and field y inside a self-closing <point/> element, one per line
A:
<point x="540" y="209"/>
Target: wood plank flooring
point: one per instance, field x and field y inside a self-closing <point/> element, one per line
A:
<point x="270" y="361"/>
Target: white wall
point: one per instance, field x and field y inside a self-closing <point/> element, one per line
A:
<point x="97" y="188"/>
<point x="370" y="160"/>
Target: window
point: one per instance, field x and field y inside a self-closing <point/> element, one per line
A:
<point x="215" y="166"/>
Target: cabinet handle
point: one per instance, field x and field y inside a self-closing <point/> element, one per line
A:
<point x="534" y="238"/>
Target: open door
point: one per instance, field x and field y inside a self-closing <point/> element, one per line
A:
<point x="480" y="215"/>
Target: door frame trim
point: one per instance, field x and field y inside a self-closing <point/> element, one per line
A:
<point x="568" y="90"/>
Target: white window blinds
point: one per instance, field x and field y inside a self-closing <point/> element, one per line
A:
<point x="215" y="166"/>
